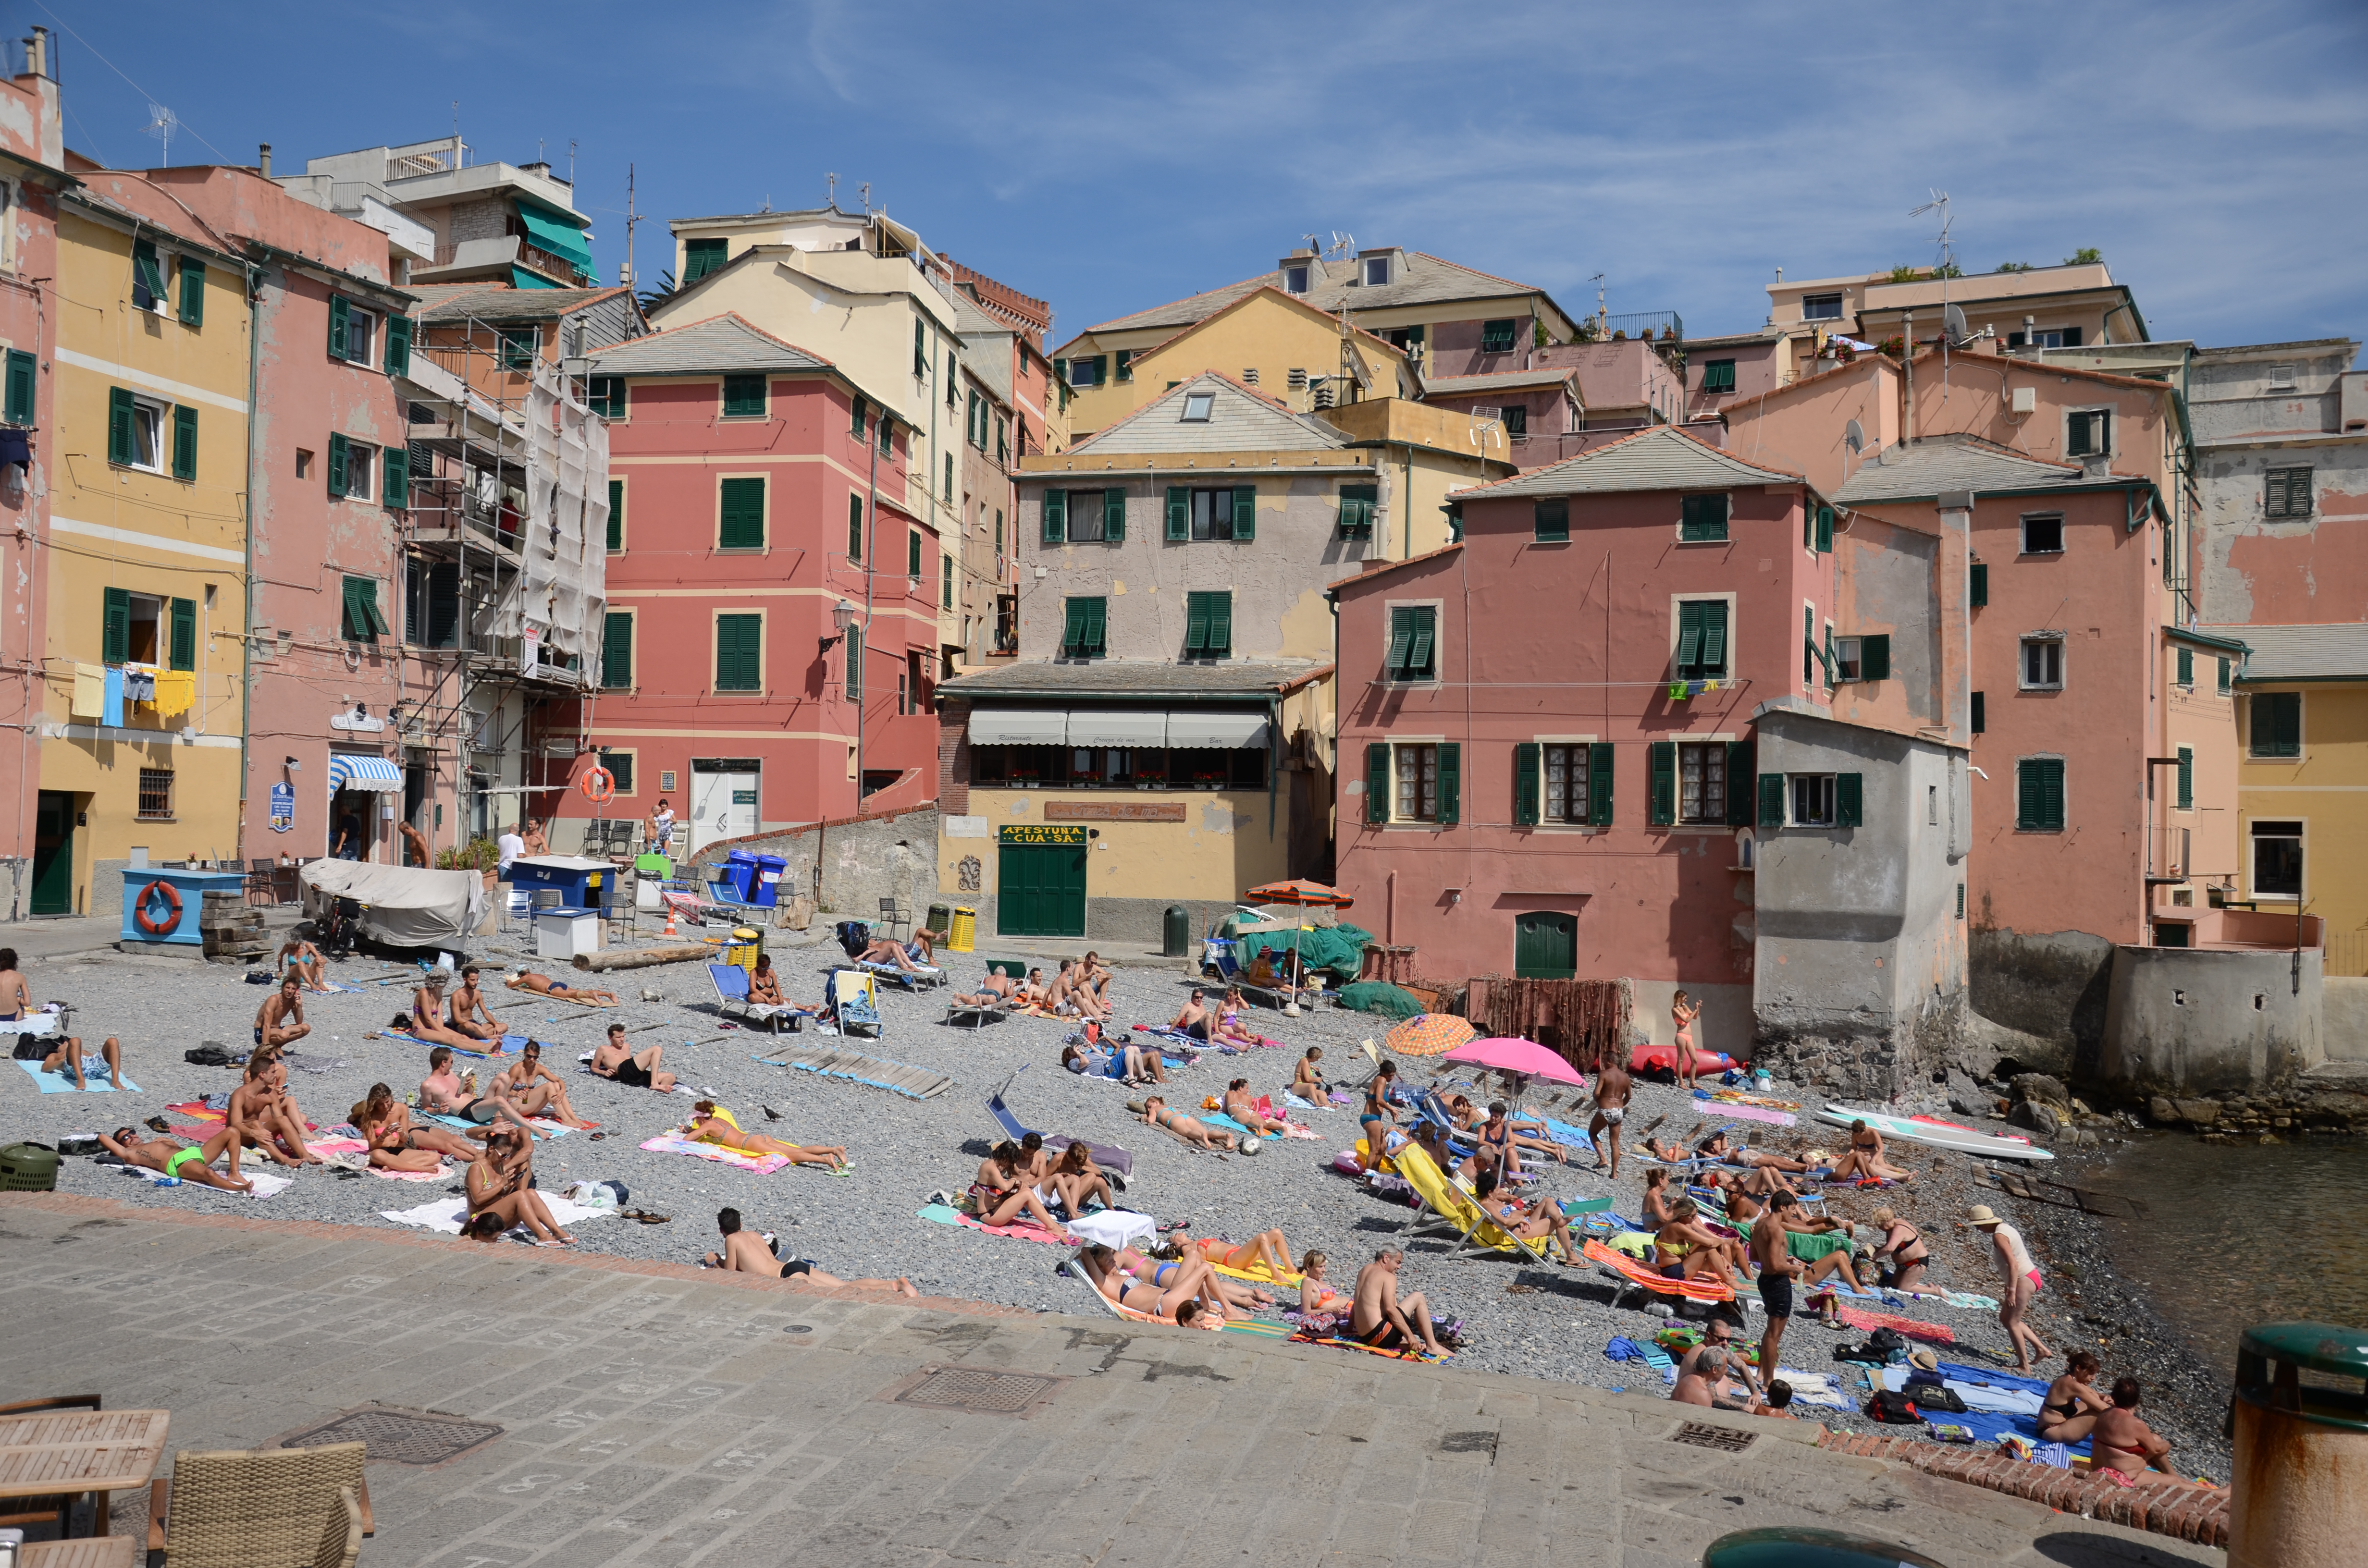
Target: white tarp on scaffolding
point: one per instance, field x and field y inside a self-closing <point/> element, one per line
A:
<point x="561" y="597"/>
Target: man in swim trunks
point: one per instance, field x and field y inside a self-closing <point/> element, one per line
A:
<point x="912" y="956"/>
<point x="1612" y="1087"/>
<point x="621" y="1064"/>
<point x="1385" y="1319"/>
<point x="997" y="989"/>
<point x="263" y="1113"/>
<point x="1096" y="976"/>
<point x="16" y="1001"/>
<point x="1194" y="1019"/>
<point x="280" y="1019"/>
<point x="302" y="959"/>
<point x="543" y="985"/>
<point x="70" y="1059"/>
<point x="441" y="1093"/>
<point x="1771" y="1249"/>
<point x="189" y="1162"/>
<point x="535" y="1090"/>
<point x="468" y="1015"/>
<point x="747" y="1253"/>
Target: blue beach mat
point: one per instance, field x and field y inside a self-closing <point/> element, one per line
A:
<point x="62" y="1083"/>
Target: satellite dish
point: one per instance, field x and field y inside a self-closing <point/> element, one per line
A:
<point x="1854" y="437"/>
<point x="1953" y="322"/>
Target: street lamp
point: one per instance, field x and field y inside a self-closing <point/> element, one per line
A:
<point x="843" y="615"/>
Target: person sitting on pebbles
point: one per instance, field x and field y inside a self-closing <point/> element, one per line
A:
<point x="1863" y="1161"/>
<point x="188" y="1162"/>
<point x="501" y="1189"/>
<point x="747" y="1253"/>
<point x="621" y="1064"/>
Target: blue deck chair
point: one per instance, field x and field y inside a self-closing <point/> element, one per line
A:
<point x="1110" y="1156"/>
<point x="731" y="982"/>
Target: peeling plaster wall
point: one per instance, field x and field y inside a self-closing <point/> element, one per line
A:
<point x="864" y="859"/>
<point x="1885" y="582"/>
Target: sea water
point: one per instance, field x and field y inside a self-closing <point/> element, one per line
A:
<point x="2241" y="1234"/>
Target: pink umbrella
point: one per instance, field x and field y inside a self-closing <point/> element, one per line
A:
<point x="1507" y="1055"/>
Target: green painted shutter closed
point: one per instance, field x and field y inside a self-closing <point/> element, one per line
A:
<point x="24" y="387"/>
<point x="1114" y="513"/>
<point x="2277" y="724"/>
<point x="1545" y="946"/>
<point x="2186" y="778"/>
<point x="1849" y="799"/>
<point x="1179" y="514"/>
<point x="1056" y="516"/>
<point x="1978" y="583"/>
<point x="913" y="553"/>
<point x="739" y="641"/>
<point x="1661" y="805"/>
<point x="398" y="350"/>
<point x="121" y="410"/>
<point x="193" y="292"/>
<point x="183" y="651"/>
<point x="1824" y="531"/>
<point x="617" y="652"/>
<point x="741" y="524"/>
<point x="185" y="441"/>
<point x="1451" y="789"/>
<point x="337" y="455"/>
<point x="2222" y="685"/>
<point x="395" y="488"/>
<point x="1980" y="715"/>
<point x="2039" y="795"/>
<point x="115" y="627"/>
<point x="1598" y="784"/>
<point x="1529" y="761"/>
<point x="337" y="327"/>
<point x="1703" y="518"/>
<point x="1245" y="511"/>
<point x="1689" y="637"/>
<point x="616" y="515"/>
<point x="1196" y="626"/>
<point x="2187" y="666"/>
<point x="1874" y="657"/>
<point x="1377" y="783"/>
<point x="1739" y="760"/>
<point x="1714" y="648"/>
<point x="1772" y="800"/>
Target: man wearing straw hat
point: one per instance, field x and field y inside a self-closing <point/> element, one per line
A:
<point x="2020" y="1286"/>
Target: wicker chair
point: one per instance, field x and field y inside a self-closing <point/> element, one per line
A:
<point x="260" y="1508"/>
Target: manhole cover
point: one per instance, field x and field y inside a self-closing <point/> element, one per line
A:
<point x="402" y="1437"/>
<point x="797" y="1328"/>
<point x="1717" y="1438"/>
<point x="988" y="1393"/>
<point x="1469" y="1443"/>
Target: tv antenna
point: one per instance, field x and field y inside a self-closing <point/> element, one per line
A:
<point x="833" y="181"/>
<point x="1949" y="313"/>
<point x="631" y="219"/>
<point x="161" y="123"/>
<point x="1343" y="246"/>
<point x="1601" y="320"/>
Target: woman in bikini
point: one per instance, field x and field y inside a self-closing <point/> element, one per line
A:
<point x="1306" y="1082"/>
<point x="1229" y="1029"/>
<point x="1076" y="1179"/>
<point x="535" y="1090"/>
<point x="1001" y="1196"/>
<point x="1684" y="1010"/>
<point x="1903" y="1244"/>
<point x="2070" y="1411"/>
<point x="1268" y="1249"/>
<point x="427" y="1021"/>
<point x="1863" y="1161"/>
<point x="1237" y="1105"/>
<point x="543" y="985"/>
<point x="501" y="1184"/>
<point x="1682" y="1249"/>
<point x="1134" y="1282"/>
<point x="1157" y="1113"/>
<point x="711" y="1123"/>
<point x="2123" y="1443"/>
<point x="395" y="1144"/>
<point x="1376" y="1118"/>
<point x="765" y="983"/>
<point x="191" y="1161"/>
<point x="1657" y="1198"/>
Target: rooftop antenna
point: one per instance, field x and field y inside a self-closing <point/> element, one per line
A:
<point x="161" y="123"/>
<point x="1939" y="203"/>
<point x="571" y="163"/>
<point x="538" y="152"/>
<point x="832" y="181"/>
<point x="632" y="217"/>
<point x="1601" y="320"/>
<point x="768" y="203"/>
<point x="864" y="191"/>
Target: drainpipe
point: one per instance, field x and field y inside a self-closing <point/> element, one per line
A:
<point x="247" y="572"/>
<point x="1406" y="504"/>
<point x="1907" y="365"/>
<point x="860" y="638"/>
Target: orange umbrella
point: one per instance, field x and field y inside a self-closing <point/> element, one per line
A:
<point x="1299" y="891"/>
<point x="1430" y="1034"/>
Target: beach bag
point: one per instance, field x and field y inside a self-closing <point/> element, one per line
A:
<point x="854" y="936"/>
<point x="1932" y="1394"/>
<point x="29" y="1049"/>
<point x="207" y="1055"/>
<point x="1893" y="1408"/>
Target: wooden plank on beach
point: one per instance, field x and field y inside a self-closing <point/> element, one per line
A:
<point x="855" y="1066"/>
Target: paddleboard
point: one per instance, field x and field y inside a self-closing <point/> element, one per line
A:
<point x="1964" y="1141"/>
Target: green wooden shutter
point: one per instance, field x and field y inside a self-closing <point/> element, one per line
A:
<point x="1703" y="518"/>
<point x="183" y="653"/>
<point x="1529" y="765"/>
<point x="398" y="350"/>
<point x="913" y="553"/>
<point x="1056" y="516"/>
<point x="1196" y="626"/>
<point x="1377" y="783"/>
<point x="352" y="621"/>
<point x="337" y="308"/>
<point x="1978" y="583"/>
<point x="1097" y="625"/>
<point x="1740" y="758"/>
<point x="1824" y="531"/>
<point x="1849" y="799"/>
<point x="24" y="387"/>
<point x="193" y="292"/>
<point x="617" y="652"/>
<point x="860" y="429"/>
<point x="370" y="607"/>
<point x="1874" y="657"/>
<point x="394" y="489"/>
<point x="1179" y="514"/>
<point x="1245" y="511"/>
<point x="338" y="452"/>
<point x="2030" y="792"/>
<point x="146" y="271"/>
<point x="1689" y="637"/>
<point x="739" y="645"/>
<point x="185" y="441"/>
<point x="1424" y="622"/>
<point x="1661" y="804"/>
<point x="1073" y="627"/>
<point x="121" y="410"/>
<point x="2222" y="685"/>
<point x="1221" y="625"/>
<point x="1114" y="513"/>
<point x="1598" y="784"/>
<point x="1451" y="784"/>
<point x="1394" y="660"/>
<point x="1772" y="800"/>
<point x="616" y="515"/>
<point x="741" y="523"/>
<point x="2186" y="778"/>
<point x="115" y="627"/>
<point x="2285" y="713"/>
<point x="2187" y="666"/>
<point x="2051" y="790"/>
<point x="1714" y="624"/>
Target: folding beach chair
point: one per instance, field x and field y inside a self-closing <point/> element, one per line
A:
<point x="911" y="979"/>
<point x="1454" y="1212"/>
<point x="854" y="998"/>
<point x="1107" y="1155"/>
<point x="730" y="984"/>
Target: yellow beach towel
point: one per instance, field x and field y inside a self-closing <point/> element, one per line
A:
<point x="175" y="690"/>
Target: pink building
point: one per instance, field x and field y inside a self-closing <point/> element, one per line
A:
<point x="766" y="521"/>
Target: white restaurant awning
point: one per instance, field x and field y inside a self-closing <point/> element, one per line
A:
<point x="1216" y="728"/>
<point x="1018" y="727"/>
<point x="349" y="772"/>
<point x="1117" y="727"/>
<point x="1219" y="729"/>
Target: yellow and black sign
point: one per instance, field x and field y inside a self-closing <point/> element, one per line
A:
<point x="1030" y="833"/>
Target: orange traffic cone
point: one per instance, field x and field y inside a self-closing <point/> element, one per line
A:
<point x="669" y="925"/>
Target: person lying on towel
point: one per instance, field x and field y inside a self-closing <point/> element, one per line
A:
<point x="747" y="1253"/>
<point x="71" y="1060"/>
<point x="189" y="1161"/>
<point x="1269" y="1248"/>
<point x="635" y="1069"/>
<point x="543" y="985"/>
<point x="1169" y="1293"/>
<point x="711" y="1123"/>
<point x="1156" y="1113"/>
<point x="1717" y="1147"/>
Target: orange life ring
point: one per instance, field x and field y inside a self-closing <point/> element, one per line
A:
<point x="172" y="897"/>
<point x="599" y="784"/>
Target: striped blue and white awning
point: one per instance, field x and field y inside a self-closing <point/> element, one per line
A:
<point x="362" y="773"/>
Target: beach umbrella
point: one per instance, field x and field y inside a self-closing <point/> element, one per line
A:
<point x="1429" y="1034"/>
<point x="1526" y="1056"/>
<point x="1301" y="892"/>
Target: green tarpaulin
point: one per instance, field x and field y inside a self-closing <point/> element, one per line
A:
<point x="550" y="231"/>
<point x="1379" y="997"/>
<point x="521" y="278"/>
<point x="1339" y="950"/>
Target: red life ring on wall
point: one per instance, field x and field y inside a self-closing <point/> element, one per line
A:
<point x="172" y="899"/>
<point x="599" y="784"/>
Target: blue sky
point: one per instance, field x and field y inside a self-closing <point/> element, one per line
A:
<point x="1107" y="158"/>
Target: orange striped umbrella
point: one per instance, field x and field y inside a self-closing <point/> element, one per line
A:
<point x="1430" y="1034"/>
<point x="1303" y="892"/>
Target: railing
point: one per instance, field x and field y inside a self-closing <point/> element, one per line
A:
<point x="1637" y="324"/>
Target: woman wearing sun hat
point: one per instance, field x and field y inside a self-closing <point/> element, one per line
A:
<point x="2020" y="1286"/>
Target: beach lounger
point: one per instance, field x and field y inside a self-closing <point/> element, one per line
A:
<point x="854" y="999"/>
<point x="1643" y="1276"/>
<point x="1455" y="1212"/>
<point x="1110" y="1156"/>
<point x="1230" y="972"/>
<point x="910" y="979"/>
<point x="730" y="984"/>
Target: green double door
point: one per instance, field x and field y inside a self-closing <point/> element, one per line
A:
<point x="53" y="853"/>
<point x="1545" y="946"/>
<point x="1040" y="888"/>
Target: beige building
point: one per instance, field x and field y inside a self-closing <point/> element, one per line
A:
<point x="2039" y="308"/>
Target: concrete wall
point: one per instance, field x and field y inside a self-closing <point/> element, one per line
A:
<point x="2251" y="567"/>
<point x="864" y="859"/>
<point x="2179" y="1021"/>
<point x="2343" y="1019"/>
<point x="2050" y="985"/>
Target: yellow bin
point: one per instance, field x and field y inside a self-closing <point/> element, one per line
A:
<point x="964" y="934"/>
<point x="743" y="947"/>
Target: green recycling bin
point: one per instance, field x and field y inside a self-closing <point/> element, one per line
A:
<point x="1176" y="932"/>
<point x="29" y="1168"/>
<point x="2300" y="1492"/>
<point x="940" y="921"/>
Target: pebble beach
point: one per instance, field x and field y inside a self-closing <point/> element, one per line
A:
<point x="1547" y="1322"/>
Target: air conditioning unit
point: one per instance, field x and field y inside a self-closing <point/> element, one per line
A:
<point x="2024" y="399"/>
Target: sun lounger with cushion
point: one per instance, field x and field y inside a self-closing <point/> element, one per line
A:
<point x="854" y="999"/>
<point x="1644" y="1276"/>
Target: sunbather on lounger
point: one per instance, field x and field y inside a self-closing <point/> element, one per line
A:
<point x="1682" y="1249"/>
<point x="1174" y="1302"/>
<point x="1194" y="1018"/>
<point x="1743" y="1156"/>
<point x="469" y="1014"/>
<point x="543" y="985"/>
<point x="502" y="1184"/>
<point x="1001" y="1191"/>
<point x="265" y="1114"/>
<point x="711" y="1123"/>
<point x="997" y="989"/>
<point x="1385" y="1319"/>
<point x="280" y="1019"/>
<point x="397" y="1143"/>
<point x="1242" y="1108"/>
<point x="71" y="1060"/>
<point x="912" y="956"/>
<point x="190" y="1162"/>
<point x="535" y="1090"/>
<point x="744" y="1252"/>
<point x="1156" y="1113"/>
<point x="1656" y="1197"/>
<point x="1863" y="1161"/>
<point x="1533" y="1221"/>
<point x="635" y="1069"/>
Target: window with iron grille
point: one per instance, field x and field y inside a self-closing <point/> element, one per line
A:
<point x="156" y="794"/>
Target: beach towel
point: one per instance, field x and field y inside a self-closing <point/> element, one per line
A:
<point x="463" y="1124"/>
<point x="942" y="1215"/>
<point x="511" y="1044"/>
<point x="446" y="1214"/>
<point x="755" y="1164"/>
<point x="261" y="1183"/>
<point x="1749" y="1113"/>
<point x="63" y="1084"/>
<point x="1977" y="1394"/>
<point x="1569" y="1137"/>
<point x="1930" y="1333"/>
<point x="1739" y="1097"/>
<point x="1816" y="1389"/>
<point x="1342" y="1342"/>
<point x="1115" y="1227"/>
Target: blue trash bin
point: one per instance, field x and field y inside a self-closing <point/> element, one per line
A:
<point x="769" y="878"/>
<point x="740" y="874"/>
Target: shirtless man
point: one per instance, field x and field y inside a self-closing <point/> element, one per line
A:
<point x="263" y="1113"/>
<point x="469" y="1016"/>
<point x="442" y="1092"/>
<point x="1773" y="1251"/>
<point x="997" y="989"/>
<point x="415" y="844"/>
<point x="304" y="959"/>
<point x="280" y="1020"/>
<point x="621" y="1064"/>
<point x="744" y="1252"/>
<point x="543" y="985"/>
<point x="535" y="1090"/>
<point x="1701" y="1385"/>
<point x="1612" y="1087"/>
<point x="1096" y="976"/>
<point x="1383" y="1319"/>
<point x="189" y="1161"/>
<point x="1032" y="992"/>
<point x="537" y="842"/>
<point x="70" y="1059"/>
<point x="1070" y="990"/>
<point x="913" y="957"/>
<point x="1194" y="1019"/>
<point x="16" y="1001"/>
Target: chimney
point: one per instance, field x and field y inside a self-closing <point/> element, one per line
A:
<point x="2031" y="335"/>
<point x="37" y="54"/>
<point x="264" y="166"/>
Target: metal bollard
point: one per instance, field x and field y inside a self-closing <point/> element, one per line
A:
<point x="2301" y="1482"/>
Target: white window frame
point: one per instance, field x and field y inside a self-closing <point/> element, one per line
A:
<point x="1582" y="745"/>
<point x="1296" y="278"/>
<point x="155" y="415"/>
<point x="362" y="459"/>
<point x="2022" y="681"/>
<point x="1848" y="658"/>
<point x="361" y="333"/>
<point x="1371" y="265"/>
<point x="1824" y="784"/>
<point x="2252" y="889"/>
<point x="1839" y="308"/>
<point x="2023" y="532"/>
<point x="2281" y="378"/>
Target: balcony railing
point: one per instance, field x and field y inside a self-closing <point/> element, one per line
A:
<point x="1636" y="323"/>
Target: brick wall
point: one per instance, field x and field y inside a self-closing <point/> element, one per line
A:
<point x="2155" y="1502"/>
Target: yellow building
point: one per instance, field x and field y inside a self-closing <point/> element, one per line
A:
<point x="146" y="567"/>
<point x="2302" y="788"/>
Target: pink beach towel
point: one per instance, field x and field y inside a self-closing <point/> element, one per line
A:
<point x="755" y="1164"/>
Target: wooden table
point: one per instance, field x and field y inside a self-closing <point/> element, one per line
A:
<point x="93" y="1552"/>
<point x="69" y="1452"/>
